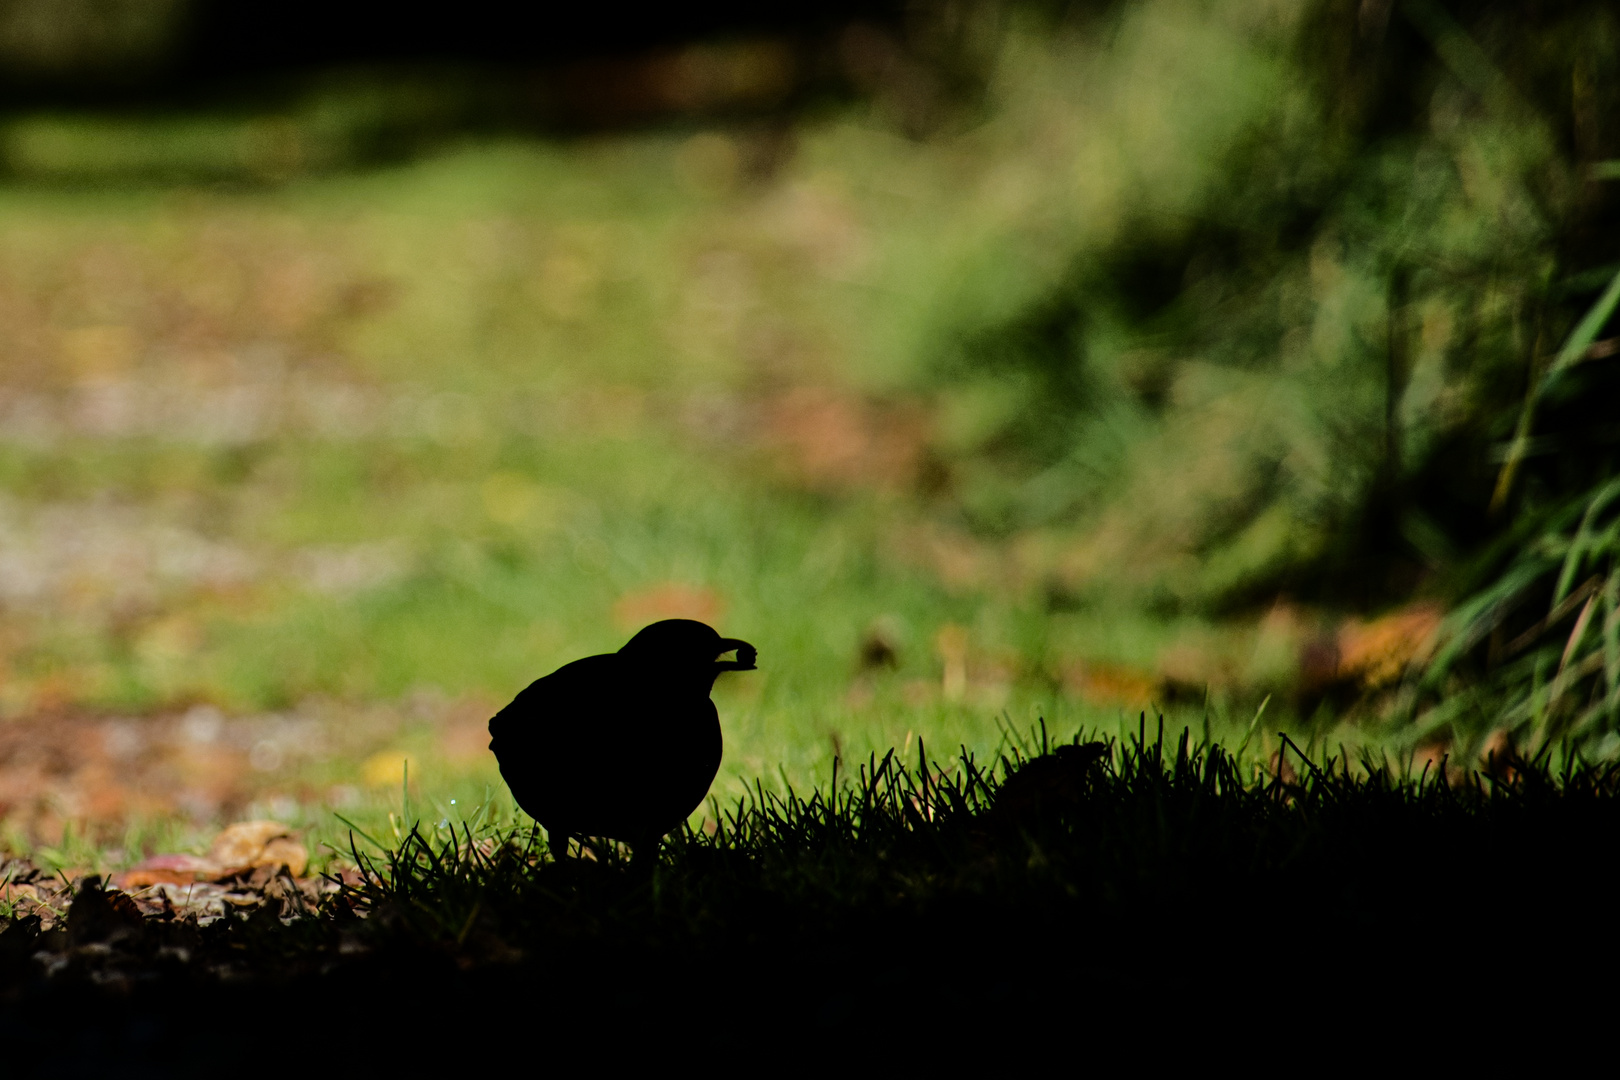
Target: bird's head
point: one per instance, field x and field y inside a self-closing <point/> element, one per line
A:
<point x="690" y="646"/>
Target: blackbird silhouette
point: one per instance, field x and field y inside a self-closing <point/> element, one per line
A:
<point x="622" y="745"/>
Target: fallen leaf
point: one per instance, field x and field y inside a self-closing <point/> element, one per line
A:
<point x="670" y="600"/>
<point x="17" y="893"/>
<point x="1376" y="653"/>
<point x="168" y="870"/>
<point x="242" y="845"/>
<point x="1111" y="684"/>
<point x="284" y="851"/>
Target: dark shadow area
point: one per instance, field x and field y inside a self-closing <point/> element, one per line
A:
<point x="124" y="53"/>
<point x="189" y="92"/>
<point x="1124" y="880"/>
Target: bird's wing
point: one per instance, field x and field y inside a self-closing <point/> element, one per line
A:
<point x="608" y="746"/>
<point x="555" y="707"/>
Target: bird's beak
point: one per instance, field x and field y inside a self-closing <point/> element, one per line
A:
<point x="746" y="655"/>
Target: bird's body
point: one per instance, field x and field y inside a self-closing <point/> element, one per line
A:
<point x="622" y="745"/>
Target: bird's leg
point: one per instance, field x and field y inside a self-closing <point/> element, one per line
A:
<point x="644" y="855"/>
<point x="558" y="840"/>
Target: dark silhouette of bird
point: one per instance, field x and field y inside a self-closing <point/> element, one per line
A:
<point x="622" y="745"/>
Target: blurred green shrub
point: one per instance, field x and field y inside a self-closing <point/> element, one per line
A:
<point x="1265" y="288"/>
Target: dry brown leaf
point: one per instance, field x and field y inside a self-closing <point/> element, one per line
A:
<point x="1376" y="653"/>
<point x="284" y="851"/>
<point x="16" y="893"/>
<point x="242" y="845"/>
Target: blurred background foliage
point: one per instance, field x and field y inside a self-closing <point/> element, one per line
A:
<point x="979" y="361"/>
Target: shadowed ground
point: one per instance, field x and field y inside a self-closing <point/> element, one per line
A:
<point x="1114" y="880"/>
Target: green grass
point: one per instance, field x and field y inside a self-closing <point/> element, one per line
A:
<point x="1120" y="877"/>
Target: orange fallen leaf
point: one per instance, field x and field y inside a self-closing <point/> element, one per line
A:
<point x="143" y="879"/>
<point x="1110" y="684"/>
<point x="831" y="438"/>
<point x="1376" y="653"/>
<point x="168" y="870"/>
<point x="669" y="600"/>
